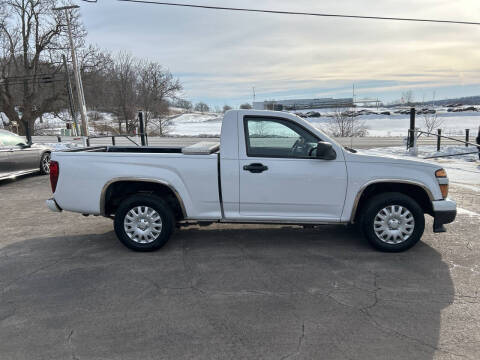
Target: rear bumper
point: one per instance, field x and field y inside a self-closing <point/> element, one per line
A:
<point x="444" y="212"/>
<point x="53" y="206"/>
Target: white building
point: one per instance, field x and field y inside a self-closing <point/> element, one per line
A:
<point x="299" y="104"/>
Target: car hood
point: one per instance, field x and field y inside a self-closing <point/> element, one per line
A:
<point x="364" y="157"/>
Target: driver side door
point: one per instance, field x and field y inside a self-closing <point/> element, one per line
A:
<point x="22" y="158"/>
<point x="281" y="180"/>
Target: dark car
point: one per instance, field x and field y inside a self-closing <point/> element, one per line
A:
<point x="17" y="157"/>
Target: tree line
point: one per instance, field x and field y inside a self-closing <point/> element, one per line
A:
<point x="122" y="84"/>
<point x="33" y="39"/>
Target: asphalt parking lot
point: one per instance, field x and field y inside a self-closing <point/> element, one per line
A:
<point x="70" y="290"/>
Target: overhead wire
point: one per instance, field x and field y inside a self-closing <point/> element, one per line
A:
<point x="281" y="12"/>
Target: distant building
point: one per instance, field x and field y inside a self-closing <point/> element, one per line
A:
<point x="300" y="104"/>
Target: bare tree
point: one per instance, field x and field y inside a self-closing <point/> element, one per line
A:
<point x="32" y="39"/>
<point x="96" y="67"/>
<point x="183" y="104"/>
<point x="162" y="123"/>
<point x="245" y="106"/>
<point x="407" y="97"/>
<point x="124" y="83"/>
<point x="344" y="124"/>
<point x="202" y="107"/>
<point x="430" y="116"/>
<point x="156" y="86"/>
<point x="226" y="108"/>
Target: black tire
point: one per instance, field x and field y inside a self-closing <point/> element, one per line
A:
<point x="45" y="163"/>
<point x="373" y="208"/>
<point x="153" y="202"/>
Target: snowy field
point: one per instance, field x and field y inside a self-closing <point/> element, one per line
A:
<point x="377" y="125"/>
<point x="209" y="124"/>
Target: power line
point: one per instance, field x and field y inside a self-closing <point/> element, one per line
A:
<point x="300" y="13"/>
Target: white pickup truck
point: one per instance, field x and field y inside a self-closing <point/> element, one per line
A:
<point x="270" y="167"/>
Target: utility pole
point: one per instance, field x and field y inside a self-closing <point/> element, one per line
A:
<point x="70" y="96"/>
<point x="76" y="72"/>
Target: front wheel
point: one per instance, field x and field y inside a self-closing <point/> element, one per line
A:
<point x="144" y="222"/>
<point x="393" y="222"/>
<point x="45" y="163"/>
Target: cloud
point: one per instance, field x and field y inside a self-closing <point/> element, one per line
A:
<point x="220" y="55"/>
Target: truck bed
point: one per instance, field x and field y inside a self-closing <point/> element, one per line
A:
<point x="200" y="148"/>
<point x="85" y="174"/>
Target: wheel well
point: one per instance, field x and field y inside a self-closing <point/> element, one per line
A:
<point x="115" y="193"/>
<point x="416" y="192"/>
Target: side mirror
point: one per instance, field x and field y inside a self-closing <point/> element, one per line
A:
<point x="325" y="151"/>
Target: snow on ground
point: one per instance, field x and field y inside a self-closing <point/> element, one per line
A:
<point x="378" y="125"/>
<point x="467" y="212"/>
<point x="195" y="124"/>
<point x="63" y="146"/>
<point x="396" y="124"/>
<point x="462" y="170"/>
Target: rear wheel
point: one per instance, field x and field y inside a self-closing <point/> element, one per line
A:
<point x="144" y="222"/>
<point x="45" y="163"/>
<point x="393" y="222"/>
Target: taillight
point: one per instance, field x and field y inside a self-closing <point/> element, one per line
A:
<point x="54" y="172"/>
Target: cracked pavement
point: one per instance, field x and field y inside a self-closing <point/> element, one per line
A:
<point x="70" y="290"/>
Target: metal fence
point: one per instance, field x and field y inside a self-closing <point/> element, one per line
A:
<point x="415" y="134"/>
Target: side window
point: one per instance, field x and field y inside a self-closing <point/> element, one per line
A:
<point x="271" y="137"/>
<point x="11" y="139"/>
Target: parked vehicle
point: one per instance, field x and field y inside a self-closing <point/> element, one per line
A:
<point x="270" y="167"/>
<point x="17" y="157"/>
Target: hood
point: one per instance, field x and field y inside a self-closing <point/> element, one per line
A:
<point x="365" y="157"/>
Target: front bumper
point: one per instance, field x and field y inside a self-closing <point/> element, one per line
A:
<point x="53" y="206"/>
<point x="444" y="212"/>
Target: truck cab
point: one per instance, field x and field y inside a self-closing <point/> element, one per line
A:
<point x="270" y="170"/>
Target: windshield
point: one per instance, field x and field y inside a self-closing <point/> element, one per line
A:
<point x="11" y="139"/>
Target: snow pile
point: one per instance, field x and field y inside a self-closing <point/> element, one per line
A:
<point x="60" y="146"/>
<point x="456" y="152"/>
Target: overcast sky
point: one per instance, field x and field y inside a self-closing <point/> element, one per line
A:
<point x="219" y="56"/>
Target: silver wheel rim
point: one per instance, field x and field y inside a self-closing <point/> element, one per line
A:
<point x="394" y="224"/>
<point x="143" y="224"/>
<point x="46" y="163"/>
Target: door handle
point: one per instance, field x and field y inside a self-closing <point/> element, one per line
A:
<point x="255" y="168"/>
